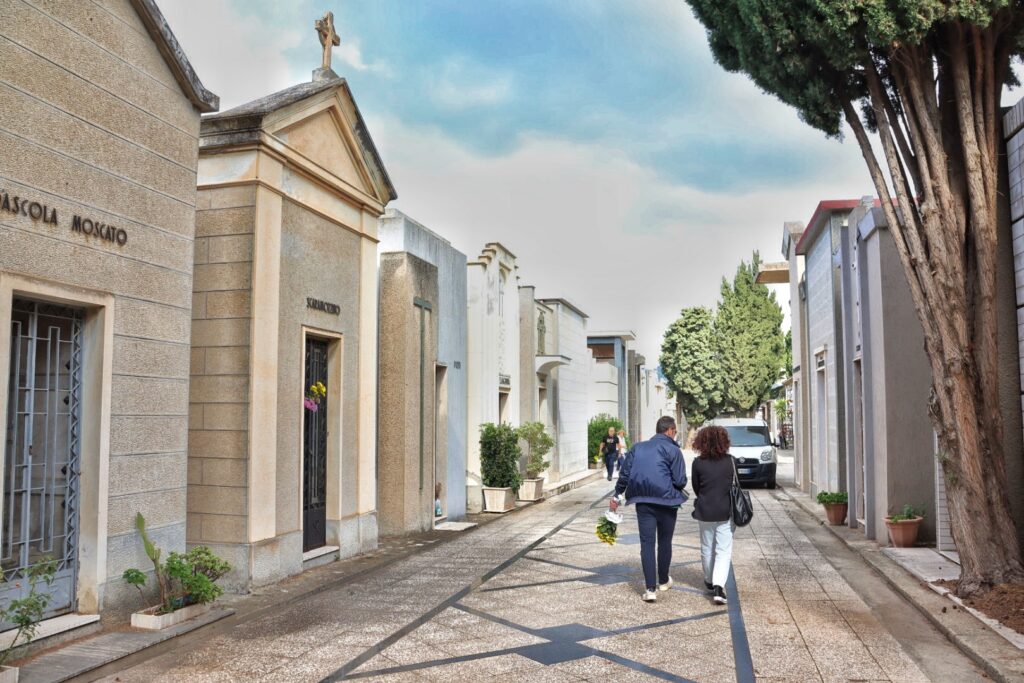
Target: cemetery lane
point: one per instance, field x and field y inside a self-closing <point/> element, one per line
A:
<point x="536" y="594"/>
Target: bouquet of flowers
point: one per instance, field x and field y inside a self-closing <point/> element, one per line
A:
<point x="316" y="393"/>
<point x="608" y="527"/>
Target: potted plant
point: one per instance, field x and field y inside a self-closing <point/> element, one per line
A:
<point x="186" y="581"/>
<point x="499" y="466"/>
<point x="26" y="613"/>
<point x="836" y="506"/>
<point x="539" y="443"/>
<point x="903" y="527"/>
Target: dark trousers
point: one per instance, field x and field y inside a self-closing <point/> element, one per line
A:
<point x="609" y="463"/>
<point x="656" y="522"/>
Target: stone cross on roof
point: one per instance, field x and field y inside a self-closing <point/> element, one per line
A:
<point x="328" y="38"/>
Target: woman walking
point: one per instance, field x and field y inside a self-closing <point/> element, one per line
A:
<point x="712" y="476"/>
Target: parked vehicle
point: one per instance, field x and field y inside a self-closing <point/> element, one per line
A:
<point x="752" y="446"/>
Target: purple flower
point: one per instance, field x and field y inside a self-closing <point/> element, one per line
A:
<point x="310" y="404"/>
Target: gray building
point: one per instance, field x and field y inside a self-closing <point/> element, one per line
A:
<point x="409" y="248"/>
<point x="618" y="349"/>
<point x="100" y="133"/>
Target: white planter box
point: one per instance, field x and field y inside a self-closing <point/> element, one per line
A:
<point x="499" y="500"/>
<point x="8" y="674"/>
<point x="149" y="621"/>
<point x="532" y="489"/>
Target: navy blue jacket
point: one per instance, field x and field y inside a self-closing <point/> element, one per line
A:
<point x="654" y="472"/>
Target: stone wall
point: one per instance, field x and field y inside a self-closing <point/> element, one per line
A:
<point x="95" y="124"/>
<point x="219" y="390"/>
<point x="570" y="397"/>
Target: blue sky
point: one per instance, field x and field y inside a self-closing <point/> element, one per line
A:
<point x="596" y="138"/>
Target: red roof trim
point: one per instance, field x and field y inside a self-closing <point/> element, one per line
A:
<point x="813" y="225"/>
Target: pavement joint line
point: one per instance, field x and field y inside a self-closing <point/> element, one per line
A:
<point x="997" y="670"/>
<point x="740" y="644"/>
<point x="374" y="650"/>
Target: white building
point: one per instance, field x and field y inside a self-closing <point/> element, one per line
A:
<point x="492" y="359"/>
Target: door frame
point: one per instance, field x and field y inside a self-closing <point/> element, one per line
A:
<point x="97" y="378"/>
<point x="335" y="431"/>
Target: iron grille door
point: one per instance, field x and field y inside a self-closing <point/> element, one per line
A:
<point x="314" y="457"/>
<point x="41" y="467"/>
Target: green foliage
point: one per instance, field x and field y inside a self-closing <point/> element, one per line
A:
<point x="748" y="334"/>
<point x="597" y="429"/>
<point x="689" y="360"/>
<point x="908" y="513"/>
<point x="539" y="443"/>
<point x="499" y="456"/>
<point x="789" y="353"/>
<point x="184" y="578"/>
<point x="830" y="498"/>
<point x="26" y="612"/>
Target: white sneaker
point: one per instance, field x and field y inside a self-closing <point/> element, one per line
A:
<point x="649" y="596"/>
<point x="665" y="586"/>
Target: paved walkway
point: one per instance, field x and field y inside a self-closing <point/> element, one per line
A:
<point x="536" y="596"/>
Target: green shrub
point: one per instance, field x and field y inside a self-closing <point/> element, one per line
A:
<point x="597" y="429"/>
<point x="908" y="513"/>
<point x="25" y="613"/>
<point x="184" y="578"/>
<point x="499" y="456"/>
<point x="829" y="498"/>
<point x="539" y="443"/>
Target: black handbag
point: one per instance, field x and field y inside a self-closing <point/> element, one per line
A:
<point x="742" y="509"/>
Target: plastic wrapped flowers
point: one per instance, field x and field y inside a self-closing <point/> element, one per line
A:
<point x="608" y="527"/>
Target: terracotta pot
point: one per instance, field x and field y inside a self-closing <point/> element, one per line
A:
<point x="499" y="500"/>
<point x="903" y="533"/>
<point x="836" y="512"/>
<point x="532" y="489"/>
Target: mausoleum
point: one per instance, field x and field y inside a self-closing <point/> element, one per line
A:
<point x="282" y="475"/>
<point x="99" y="133"/>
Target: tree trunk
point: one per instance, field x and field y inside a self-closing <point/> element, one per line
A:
<point x="942" y="159"/>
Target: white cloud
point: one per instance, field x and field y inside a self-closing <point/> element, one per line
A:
<point x="351" y="53"/>
<point x="464" y="85"/>
<point x="238" y="56"/>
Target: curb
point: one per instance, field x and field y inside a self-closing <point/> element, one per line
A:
<point x="989" y="650"/>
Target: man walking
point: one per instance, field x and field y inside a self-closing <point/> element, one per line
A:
<point x="610" y="451"/>
<point x="653" y="477"/>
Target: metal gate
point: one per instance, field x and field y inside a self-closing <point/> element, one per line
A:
<point x="41" y="466"/>
<point x="314" y="456"/>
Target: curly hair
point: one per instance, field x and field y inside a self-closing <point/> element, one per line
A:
<point x="712" y="442"/>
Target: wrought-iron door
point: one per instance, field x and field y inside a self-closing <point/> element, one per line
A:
<point x="41" y="467"/>
<point x="314" y="453"/>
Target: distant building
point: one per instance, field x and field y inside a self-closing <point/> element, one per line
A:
<point x="492" y="354"/>
<point x="422" y="434"/>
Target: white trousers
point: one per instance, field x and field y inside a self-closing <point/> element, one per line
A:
<point x="716" y="550"/>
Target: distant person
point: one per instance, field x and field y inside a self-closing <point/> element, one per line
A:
<point x="610" y="451"/>
<point x="653" y="477"/>
<point x="712" y="473"/>
<point x="621" y="457"/>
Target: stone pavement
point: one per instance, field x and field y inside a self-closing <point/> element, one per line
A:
<point x="536" y="596"/>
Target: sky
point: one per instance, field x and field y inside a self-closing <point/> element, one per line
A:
<point x="597" y="139"/>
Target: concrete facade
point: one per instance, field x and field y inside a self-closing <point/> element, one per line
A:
<point x="408" y="461"/>
<point x="399" y="233"/>
<point x="492" y="359"/>
<point x="100" y="132"/>
<point x="565" y="367"/>
<point x="615" y="349"/>
<point x="654" y="403"/>
<point x="290" y="190"/>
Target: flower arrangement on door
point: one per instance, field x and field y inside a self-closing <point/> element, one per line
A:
<point x="317" y="393"/>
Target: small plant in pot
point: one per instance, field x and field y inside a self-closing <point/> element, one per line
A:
<point x="25" y="613"/>
<point x="539" y="443"/>
<point x="903" y="526"/>
<point x="499" y="466"/>
<point x="186" y="582"/>
<point x="836" y="506"/>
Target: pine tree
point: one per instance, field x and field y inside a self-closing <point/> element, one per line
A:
<point x="689" y="362"/>
<point x="748" y="332"/>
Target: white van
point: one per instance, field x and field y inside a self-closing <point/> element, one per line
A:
<point x="756" y="459"/>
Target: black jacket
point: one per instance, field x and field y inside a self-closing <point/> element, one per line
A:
<point x="654" y="472"/>
<point x="711" y="482"/>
